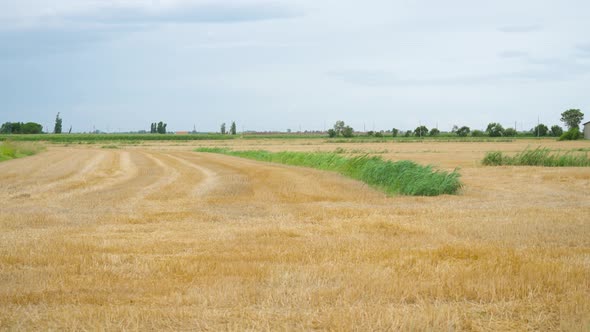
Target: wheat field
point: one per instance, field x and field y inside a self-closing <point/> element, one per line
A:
<point x="158" y="237"/>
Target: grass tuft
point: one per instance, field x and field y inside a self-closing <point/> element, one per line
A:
<point x="538" y="157"/>
<point x="402" y="177"/>
<point x="11" y="150"/>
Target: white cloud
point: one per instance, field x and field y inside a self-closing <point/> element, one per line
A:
<point x="205" y="62"/>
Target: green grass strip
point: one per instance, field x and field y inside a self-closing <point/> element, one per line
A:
<point x="11" y="150"/>
<point x="401" y="177"/>
<point x="538" y="157"/>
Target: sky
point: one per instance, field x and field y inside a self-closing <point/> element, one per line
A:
<point x="119" y="65"/>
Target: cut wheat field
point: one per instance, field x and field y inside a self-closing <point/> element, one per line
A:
<point x="157" y="237"/>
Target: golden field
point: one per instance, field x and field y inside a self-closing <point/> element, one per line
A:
<point x="155" y="236"/>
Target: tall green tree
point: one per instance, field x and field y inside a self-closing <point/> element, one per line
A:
<point x="572" y="118"/>
<point x="232" y="129"/>
<point x="495" y="129"/>
<point x="463" y="131"/>
<point x="222" y="129"/>
<point x="556" y="131"/>
<point x="57" y="128"/>
<point x="161" y="128"/>
<point x="540" y="130"/>
<point x="421" y="131"/>
<point x="32" y="128"/>
<point x="347" y="131"/>
<point x="339" y="127"/>
<point x="6" y="128"/>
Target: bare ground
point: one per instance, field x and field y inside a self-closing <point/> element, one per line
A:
<point x="158" y="237"/>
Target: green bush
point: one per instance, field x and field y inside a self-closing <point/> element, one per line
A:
<point x="493" y="159"/>
<point x="477" y="133"/>
<point x="402" y="177"/>
<point x="570" y="135"/>
<point x="538" y="157"/>
<point x="510" y="132"/>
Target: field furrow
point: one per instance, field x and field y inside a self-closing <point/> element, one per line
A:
<point x="144" y="238"/>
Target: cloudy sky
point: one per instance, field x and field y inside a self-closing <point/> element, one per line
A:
<point x="271" y="65"/>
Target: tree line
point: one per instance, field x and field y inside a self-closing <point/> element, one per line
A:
<point x="21" y="128"/>
<point x="571" y="118"/>
<point x="158" y="128"/>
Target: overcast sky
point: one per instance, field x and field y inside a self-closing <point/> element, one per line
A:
<point x="271" y="65"/>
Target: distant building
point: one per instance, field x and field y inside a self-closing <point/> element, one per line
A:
<point x="587" y="130"/>
<point x="181" y="133"/>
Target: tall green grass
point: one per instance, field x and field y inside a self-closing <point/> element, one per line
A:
<point x="538" y="157"/>
<point x="402" y="177"/>
<point x="11" y="150"/>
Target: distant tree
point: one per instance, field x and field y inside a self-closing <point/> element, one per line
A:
<point x="31" y="128"/>
<point x="57" y="128"/>
<point x="161" y="128"/>
<point x="332" y="133"/>
<point x="378" y="134"/>
<point x="21" y="128"/>
<point x="540" y="130"/>
<point x="495" y="129"/>
<point x="70" y="131"/>
<point x="370" y="133"/>
<point x="6" y="128"/>
<point x="556" y="131"/>
<point x="463" y="131"/>
<point x="394" y="132"/>
<point x="232" y="129"/>
<point x="455" y="129"/>
<point x="17" y="127"/>
<point x="421" y="131"/>
<point x="347" y="131"/>
<point x="434" y="132"/>
<point x="153" y="129"/>
<point x="339" y="127"/>
<point x="510" y="132"/>
<point x="572" y="118"/>
<point x="477" y="133"/>
<point x="223" y="128"/>
<point x="408" y="133"/>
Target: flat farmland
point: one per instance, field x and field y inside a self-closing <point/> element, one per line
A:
<point x="155" y="236"/>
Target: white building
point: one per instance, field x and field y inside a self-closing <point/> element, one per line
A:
<point x="587" y="130"/>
